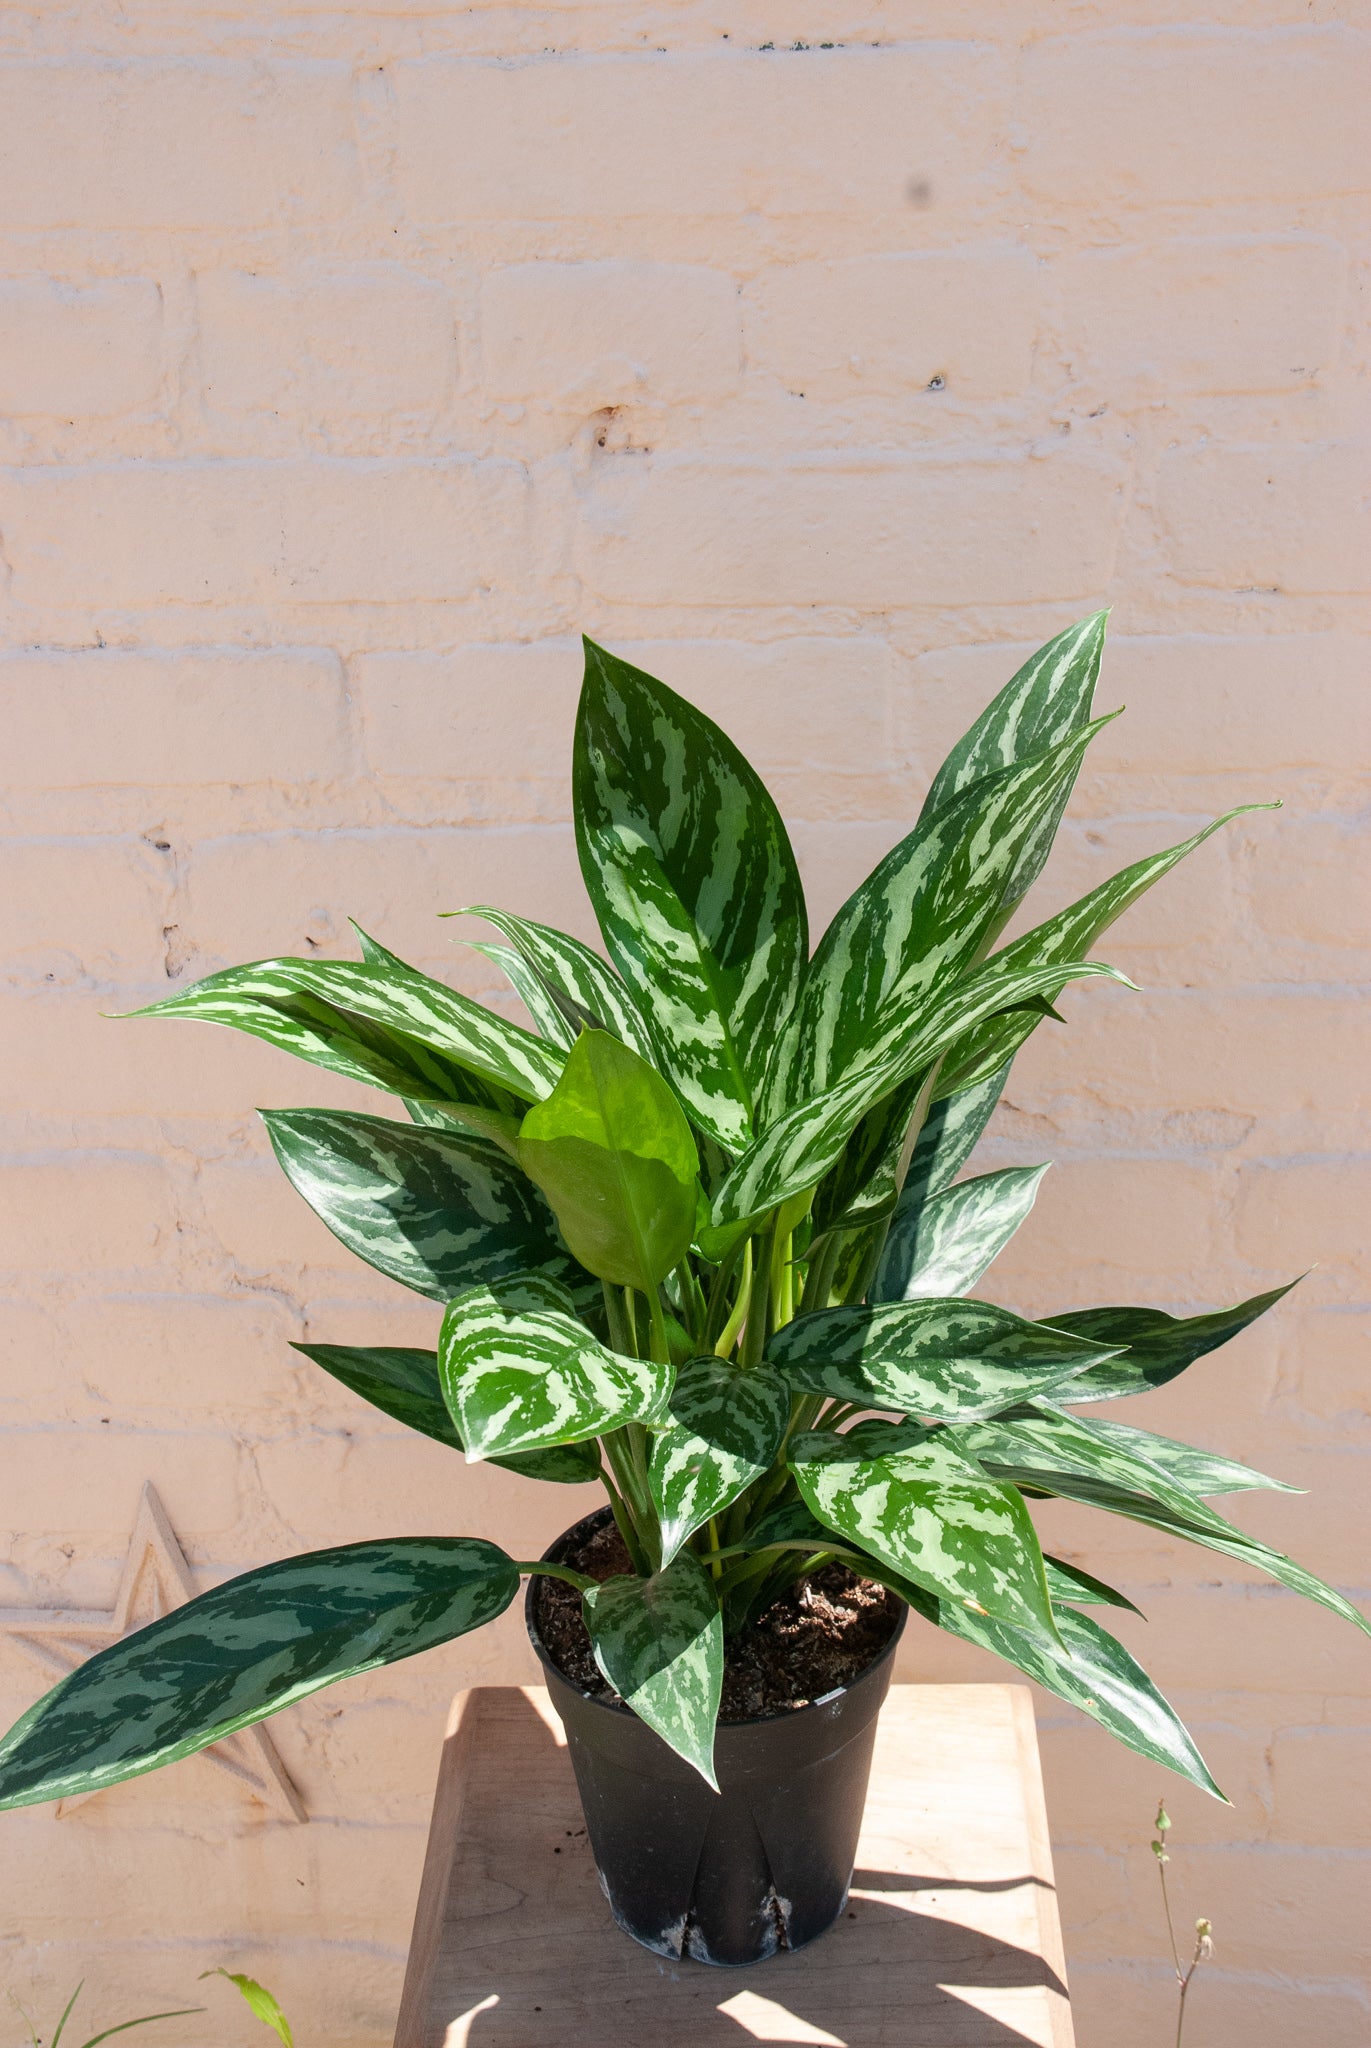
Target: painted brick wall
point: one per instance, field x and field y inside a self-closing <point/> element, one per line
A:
<point x="352" y="357"/>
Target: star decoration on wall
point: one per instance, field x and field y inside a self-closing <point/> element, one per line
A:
<point x="155" y="1579"/>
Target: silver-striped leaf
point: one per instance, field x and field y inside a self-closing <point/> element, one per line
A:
<point x="520" y="1373"/>
<point x="1061" y="1454"/>
<point x="436" y="1210"/>
<point x="305" y="1006"/>
<point x="945" y="1360"/>
<point x="1069" y="1582"/>
<point x="865" y="1184"/>
<point x="531" y="990"/>
<point x="695" y="886"/>
<point x="660" y="1644"/>
<point x="1046" y="700"/>
<point x="797" y="1150"/>
<point x="404" y="1384"/>
<point x="1198" y="1472"/>
<point x="1069" y="935"/>
<point x="942" y="1244"/>
<point x="912" y="1500"/>
<point x="462" y="1085"/>
<point x="915" y="924"/>
<point x="1093" y="1671"/>
<point x="726" y="1428"/>
<point x="612" y="1152"/>
<point x="1155" y="1347"/>
<point x="245" y="1650"/>
<point x="584" y="988"/>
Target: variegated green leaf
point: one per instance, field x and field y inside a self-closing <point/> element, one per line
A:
<point x="864" y="1185"/>
<point x="1196" y="1472"/>
<point x="1062" y="1454"/>
<point x="913" y="1501"/>
<point x="584" y="988"/>
<point x="914" y="925"/>
<point x="942" y="1244"/>
<point x="1069" y="1582"/>
<point x="799" y="1148"/>
<point x="1093" y="1671"/>
<point x="939" y="1359"/>
<point x="1159" y="1347"/>
<point x="466" y="1092"/>
<point x="404" y="1383"/>
<point x="726" y="1428"/>
<point x="660" y="1644"/>
<point x="519" y="1373"/>
<point x="436" y="1210"/>
<point x="548" y="1020"/>
<point x="306" y="1006"/>
<point x="611" y="1150"/>
<point x="245" y="1650"/>
<point x="1071" y="934"/>
<point x="1047" y="699"/>
<point x="695" y="886"/>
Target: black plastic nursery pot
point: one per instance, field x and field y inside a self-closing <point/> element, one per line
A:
<point x="732" y="1877"/>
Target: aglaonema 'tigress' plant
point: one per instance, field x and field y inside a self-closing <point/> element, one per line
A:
<point x="698" y="1235"/>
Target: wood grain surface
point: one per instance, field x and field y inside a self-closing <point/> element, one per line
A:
<point x="950" y="1940"/>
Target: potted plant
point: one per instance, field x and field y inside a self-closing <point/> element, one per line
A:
<point x="698" y="1235"/>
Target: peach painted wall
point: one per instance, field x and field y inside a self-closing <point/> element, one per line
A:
<point x="352" y="357"/>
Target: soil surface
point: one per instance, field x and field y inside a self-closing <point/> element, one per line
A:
<point x="820" y="1635"/>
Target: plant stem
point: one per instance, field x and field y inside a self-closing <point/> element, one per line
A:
<point x="819" y="1279"/>
<point x="620" y="1332"/>
<point x="728" y="1336"/>
<point x="660" y="1348"/>
<point x="758" y="1300"/>
<point x="581" y="1580"/>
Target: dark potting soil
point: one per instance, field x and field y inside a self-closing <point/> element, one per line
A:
<point x="819" y="1636"/>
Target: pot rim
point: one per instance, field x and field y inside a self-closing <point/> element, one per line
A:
<point x="549" y="1663"/>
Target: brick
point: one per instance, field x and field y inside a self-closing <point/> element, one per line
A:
<point x="253" y="898"/>
<point x="1326" y="1388"/>
<point x="1131" y="2005"/>
<point x="1203" y="313"/>
<point x="1197" y="703"/>
<point x="375" y="339"/>
<point x="693" y="133"/>
<point x="320" y="530"/>
<point x="600" y="334"/>
<point x="92" y="907"/>
<point x="1277" y="518"/>
<point x="85" y="1482"/>
<point x="33" y="1383"/>
<point x="84" y="1210"/>
<point x="1316" y="1770"/>
<point x="892" y="324"/>
<point x="1270" y="1902"/>
<point x="1295" y="1212"/>
<point x="849" y="530"/>
<point x="264" y="1227"/>
<point x="90" y="350"/>
<point x="492" y="713"/>
<point x="1144" y="1217"/>
<point x="1191" y="115"/>
<point x="148" y="143"/>
<point x="1320" y="889"/>
<point x="148" y="718"/>
<point x="213" y="1362"/>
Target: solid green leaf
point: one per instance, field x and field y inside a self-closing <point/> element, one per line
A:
<point x="1071" y="934"/>
<point x="695" y="886"/>
<point x="726" y="1428"/>
<point x="404" y="1383"/>
<point x="797" y="1150"/>
<point x="1159" y="1347"/>
<point x="912" y="1500"/>
<point x="245" y="1650"/>
<point x="1093" y="1671"/>
<point x="584" y="989"/>
<point x="612" y="1151"/>
<point x="915" y="924"/>
<point x="1047" y="699"/>
<point x="260" y="2003"/>
<point x="519" y="1373"/>
<point x="941" y="1359"/>
<point x="942" y="1244"/>
<point x="433" y="1035"/>
<point x="660" y="1644"/>
<point x="1064" y="1455"/>
<point x="436" y="1210"/>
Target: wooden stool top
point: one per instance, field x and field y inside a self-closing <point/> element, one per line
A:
<point x="951" y="1938"/>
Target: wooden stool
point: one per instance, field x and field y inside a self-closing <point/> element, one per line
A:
<point x="951" y="1935"/>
